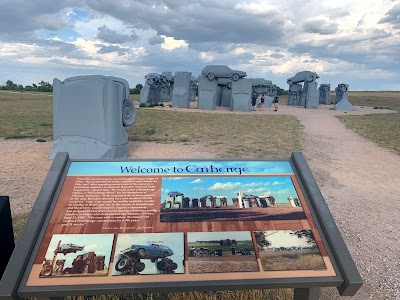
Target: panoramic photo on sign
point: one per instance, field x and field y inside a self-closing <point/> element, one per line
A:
<point x="179" y="221"/>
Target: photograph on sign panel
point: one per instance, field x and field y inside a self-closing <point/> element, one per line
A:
<point x="210" y="198"/>
<point x="149" y="253"/>
<point x="282" y="250"/>
<point x="77" y="255"/>
<point x="221" y="252"/>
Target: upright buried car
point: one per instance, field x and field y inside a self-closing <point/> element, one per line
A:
<point x="69" y="248"/>
<point x="218" y="71"/>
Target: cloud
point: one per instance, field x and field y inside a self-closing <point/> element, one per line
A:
<point x="198" y="180"/>
<point x="253" y="184"/>
<point x="320" y="25"/>
<point x="343" y="42"/>
<point x="277" y="183"/>
<point x="155" y="40"/>
<point x="392" y="17"/>
<point x="225" y="186"/>
<point x="109" y="49"/>
<point x="110" y="36"/>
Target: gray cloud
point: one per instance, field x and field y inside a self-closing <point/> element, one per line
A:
<point x="19" y="17"/>
<point x="320" y="26"/>
<point x="199" y="21"/>
<point x="155" y="40"/>
<point x="110" y="36"/>
<point x="392" y="17"/>
<point x="364" y="48"/>
<point x="338" y="13"/>
<point x="217" y="28"/>
<point x="109" y="49"/>
<point x="277" y="55"/>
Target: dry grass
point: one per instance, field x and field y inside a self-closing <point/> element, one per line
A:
<point x="382" y="129"/>
<point x="252" y="136"/>
<point x="25" y="115"/>
<point x="273" y="294"/>
<point x="239" y="135"/>
<point x="389" y="100"/>
<point x="291" y="261"/>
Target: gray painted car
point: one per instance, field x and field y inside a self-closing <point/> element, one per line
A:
<point x="218" y="71"/>
<point x="150" y="251"/>
<point x="69" y="248"/>
<point x="303" y="76"/>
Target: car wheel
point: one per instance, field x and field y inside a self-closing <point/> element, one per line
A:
<point x="150" y="81"/>
<point x="128" y="113"/>
<point x="289" y="82"/>
<point x="235" y="77"/>
<point x="174" y="266"/>
<point x="140" y="267"/>
<point x="122" y="264"/>
<point x="165" y="254"/>
<point x="47" y="271"/>
<point x="211" y="76"/>
<point x="141" y="253"/>
<point x="344" y="89"/>
<point x="162" y="265"/>
<point x="67" y="271"/>
<point x="309" y="78"/>
<point x="326" y="89"/>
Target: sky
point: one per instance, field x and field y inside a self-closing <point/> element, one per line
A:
<point x="280" y="187"/>
<point x="284" y="238"/>
<point x="354" y="42"/>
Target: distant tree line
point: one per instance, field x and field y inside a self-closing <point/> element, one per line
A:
<point x="137" y="89"/>
<point x="42" y="86"/>
<point x="281" y="91"/>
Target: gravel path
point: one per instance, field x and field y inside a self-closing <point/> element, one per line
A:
<point x="358" y="179"/>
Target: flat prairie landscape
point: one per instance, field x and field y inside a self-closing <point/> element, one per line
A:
<point x="223" y="264"/>
<point x="299" y="260"/>
<point x="231" y="214"/>
<point x="354" y="157"/>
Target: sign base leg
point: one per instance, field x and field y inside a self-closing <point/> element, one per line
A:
<point x="306" y="294"/>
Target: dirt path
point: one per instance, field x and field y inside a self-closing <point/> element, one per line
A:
<point x="360" y="183"/>
<point x="358" y="179"/>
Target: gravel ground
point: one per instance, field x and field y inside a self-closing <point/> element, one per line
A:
<point x="358" y="179"/>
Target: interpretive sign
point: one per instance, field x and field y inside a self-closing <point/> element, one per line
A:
<point x="180" y="225"/>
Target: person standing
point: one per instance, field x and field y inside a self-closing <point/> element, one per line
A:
<point x="276" y="100"/>
<point x="253" y="102"/>
<point x="261" y="104"/>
